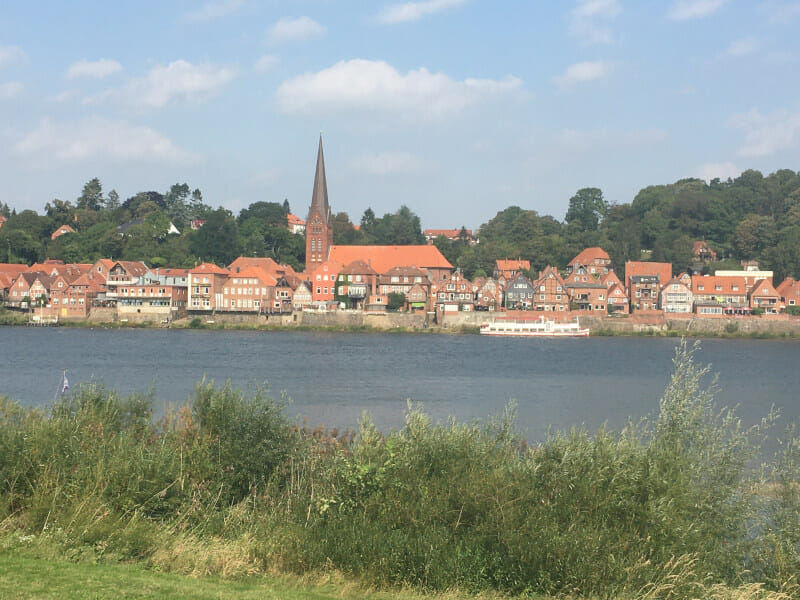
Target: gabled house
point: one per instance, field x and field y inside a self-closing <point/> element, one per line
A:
<point x="618" y="300"/>
<point x="644" y="283"/>
<point x="509" y="269"/>
<point x="550" y="292"/>
<point x="764" y="297"/>
<point x="30" y="288"/>
<point x="594" y="261"/>
<point x="205" y="287"/>
<point x="301" y="297"/>
<point x="519" y="293"/>
<point x="247" y="289"/>
<point x="356" y="282"/>
<point x="789" y="291"/>
<point x="453" y="235"/>
<point x="489" y="295"/>
<point x="417" y="297"/>
<point x="63" y="230"/>
<point x="676" y="297"/>
<point x="295" y="224"/>
<point x="703" y="253"/>
<point x="400" y="280"/>
<point x="589" y="296"/>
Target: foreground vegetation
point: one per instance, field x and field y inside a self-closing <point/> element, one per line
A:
<point x="673" y="507"/>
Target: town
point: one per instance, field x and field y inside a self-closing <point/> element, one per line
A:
<point x="375" y="279"/>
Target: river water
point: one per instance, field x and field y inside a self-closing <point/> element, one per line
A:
<point x="330" y="378"/>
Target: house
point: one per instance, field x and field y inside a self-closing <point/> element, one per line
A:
<point x="8" y="273"/>
<point x="676" y="297"/>
<point x="702" y="252"/>
<point x="323" y="282"/>
<point x="750" y="277"/>
<point x="453" y="294"/>
<point x="205" y="286"/>
<point x="644" y="282"/>
<point x="400" y="280"/>
<point x="152" y="300"/>
<point x="197" y="224"/>
<point x="519" y="293"/>
<point x="64" y="229"/>
<point x="301" y="297"/>
<point x="453" y="235"/>
<point x="295" y="224"/>
<point x="383" y="258"/>
<point x="356" y="283"/>
<point x="76" y="300"/>
<point x="764" y="297"/>
<point x="588" y="296"/>
<point x="122" y="274"/>
<point x="29" y="288"/>
<point x="417" y="297"/>
<point x="618" y="300"/>
<point x="247" y="289"/>
<point x="789" y="292"/>
<point x="610" y="279"/>
<point x="595" y="261"/>
<point x="489" y="295"/>
<point x="715" y="295"/>
<point x="550" y="291"/>
<point x="509" y="269"/>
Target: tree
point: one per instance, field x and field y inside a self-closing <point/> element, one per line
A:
<point x="92" y="196"/>
<point x="112" y="202"/>
<point x="176" y="204"/>
<point x="268" y="212"/>
<point x="217" y="240"/>
<point x="286" y="208"/>
<point x="587" y="209"/>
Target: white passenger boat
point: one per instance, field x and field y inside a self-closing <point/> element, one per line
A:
<point x="533" y="328"/>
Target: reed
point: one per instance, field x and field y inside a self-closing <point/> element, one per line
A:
<point x="670" y="507"/>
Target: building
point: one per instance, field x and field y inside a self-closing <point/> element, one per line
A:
<point x="676" y="297"/>
<point x="593" y="261"/>
<point x="453" y="235"/>
<point x="355" y="284"/>
<point x="205" y="287"/>
<point x="720" y="295"/>
<point x="550" y="292"/>
<point x="64" y="229"/>
<point x="319" y="224"/>
<point x="509" y="269"/>
<point x="764" y="297"/>
<point x="295" y="224"/>
<point x="519" y="293"/>
<point x="703" y="253"/>
<point x="789" y="292"/>
<point x="644" y="283"/>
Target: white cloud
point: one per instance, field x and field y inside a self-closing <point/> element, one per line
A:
<point x="684" y="10"/>
<point x="723" y="171"/>
<point x="297" y="29"/>
<point x="387" y="163"/>
<point x="179" y="80"/>
<point x="767" y="134"/>
<point x="582" y="72"/>
<point x="265" y="63"/>
<point x="12" y="55"/>
<point x="413" y="11"/>
<point x="212" y="11"/>
<point x="360" y="85"/>
<point x="590" y="20"/>
<point x="743" y="47"/>
<point x="10" y="89"/>
<point x="99" y="139"/>
<point x="96" y="69"/>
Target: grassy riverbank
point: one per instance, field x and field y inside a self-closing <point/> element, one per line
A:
<point x="228" y="487"/>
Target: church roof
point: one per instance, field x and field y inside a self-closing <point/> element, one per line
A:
<point x="319" y="197"/>
<point x="383" y="258"/>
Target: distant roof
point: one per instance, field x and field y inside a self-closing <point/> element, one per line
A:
<point x="448" y="233"/>
<point x="209" y="268"/>
<point x="513" y="265"/>
<point x="639" y="268"/>
<point x="294" y="220"/>
<point x="589" y="255"/>
<point x="383" y="258"/>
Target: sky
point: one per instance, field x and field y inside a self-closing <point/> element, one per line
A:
<point x="454" y="108"/>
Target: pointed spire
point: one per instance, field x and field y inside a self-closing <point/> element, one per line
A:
<point x="319" y="198"/>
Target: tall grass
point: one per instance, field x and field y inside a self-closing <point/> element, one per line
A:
<point x="672" y="507"/>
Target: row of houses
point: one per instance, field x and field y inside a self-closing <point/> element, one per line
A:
<point x="369" y="277"/>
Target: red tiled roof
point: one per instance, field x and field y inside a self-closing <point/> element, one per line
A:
<point x="256" y="273"/>
<point x="12" y="269"/>
<point x="209" y="268"/>
<point x="787" y="286"/>
<point x="763" y="287"/>
<point x="61" y="231"/>
<point x="639" y="268"/>
<point x="294" y="220"/>
<point x="383" y="258"/>
<point x="710" y="283"/>
<point x="589" y="255"/>
<point x="513" y="265"/>
<point x="448" y="233"/>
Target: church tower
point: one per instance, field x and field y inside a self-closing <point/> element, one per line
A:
<point x="319" y="224"/>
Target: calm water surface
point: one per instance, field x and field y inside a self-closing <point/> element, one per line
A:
<point x="332" y="378"/>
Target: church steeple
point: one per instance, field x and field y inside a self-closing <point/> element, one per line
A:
<point x="319" y="197"/>
<point x="319" y="225"/>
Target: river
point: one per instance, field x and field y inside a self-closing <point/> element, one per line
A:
<point x="330" y="378"/>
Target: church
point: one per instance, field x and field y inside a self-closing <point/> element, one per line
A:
<point x="360" y="274"/>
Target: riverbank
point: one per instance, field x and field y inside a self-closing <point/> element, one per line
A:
<point x="230" y="487"/>
<point x="650" y="324"/>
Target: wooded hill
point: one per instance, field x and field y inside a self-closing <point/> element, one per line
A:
<point x="751" y="217"/>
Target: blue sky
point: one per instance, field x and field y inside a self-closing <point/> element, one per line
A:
<point x="456" y="108"/>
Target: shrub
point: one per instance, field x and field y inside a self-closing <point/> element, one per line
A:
<point x="196" y="323"/>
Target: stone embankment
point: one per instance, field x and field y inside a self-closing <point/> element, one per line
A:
<point x="642" y="323"/>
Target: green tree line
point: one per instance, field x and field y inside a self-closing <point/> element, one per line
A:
<point x="751" y="217"/>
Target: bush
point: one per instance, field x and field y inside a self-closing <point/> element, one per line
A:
<point x="196" y="323"/>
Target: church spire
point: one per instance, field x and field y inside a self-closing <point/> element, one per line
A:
<point x="319" y="198"/>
